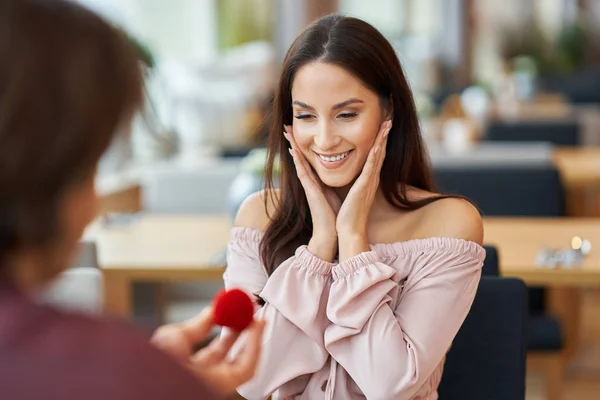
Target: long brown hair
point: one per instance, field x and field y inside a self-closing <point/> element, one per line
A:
<point x="360" y="49"/>
<point x="68" y="82"/>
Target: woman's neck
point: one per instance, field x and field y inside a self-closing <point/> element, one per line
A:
<point x="342" y="193"/>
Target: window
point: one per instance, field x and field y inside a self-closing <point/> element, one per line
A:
<point x="191" y="41"/>
<point x="412" y="27"/>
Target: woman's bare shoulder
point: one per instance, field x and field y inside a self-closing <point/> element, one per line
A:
<point x="454" y="218"/>
<point x="447" y="217"/>
<point x="255" y="213"/>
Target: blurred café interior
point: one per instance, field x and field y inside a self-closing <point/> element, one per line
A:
<point x="508" y="95"/>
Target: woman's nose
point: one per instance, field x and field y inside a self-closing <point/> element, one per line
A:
<point x="326" y="139"/>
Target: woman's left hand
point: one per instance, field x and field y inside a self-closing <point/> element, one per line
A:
<point x="351" y="222"/>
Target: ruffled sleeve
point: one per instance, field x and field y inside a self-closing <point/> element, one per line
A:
<point x="368" y="334"/>
<point x="295" y="298"/>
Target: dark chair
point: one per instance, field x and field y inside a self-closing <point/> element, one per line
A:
<point x="524" y="190"/>
<point x="491" y="266"/>
<point x="534" y="191"/>
<point x="487" y="358"/>
<point x="580" y="87"/>
<point x="560" y="133"/>
<point x="88" y="255"/>
<point x="544" y="332"/>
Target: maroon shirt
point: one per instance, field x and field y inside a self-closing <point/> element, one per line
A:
<point x="47" y="354"/>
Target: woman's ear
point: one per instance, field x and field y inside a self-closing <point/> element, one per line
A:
<point x="388" y="111"/>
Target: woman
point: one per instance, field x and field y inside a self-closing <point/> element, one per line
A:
<point x="68" y="82"/>
<point x="363" y="273"/>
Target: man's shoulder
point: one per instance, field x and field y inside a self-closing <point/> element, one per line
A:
<point x="76" y="356"/>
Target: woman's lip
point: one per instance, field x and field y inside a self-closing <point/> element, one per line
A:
<point x="333" y="164"/>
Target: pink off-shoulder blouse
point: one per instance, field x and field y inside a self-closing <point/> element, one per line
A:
<point x="376" y="326"/>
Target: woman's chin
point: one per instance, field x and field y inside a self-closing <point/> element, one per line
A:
<point x="336" y="182"/>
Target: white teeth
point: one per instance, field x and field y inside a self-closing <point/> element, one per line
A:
<point x="336" y="158"/>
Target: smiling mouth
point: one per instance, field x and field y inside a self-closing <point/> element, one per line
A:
<point x="335" y="158"/>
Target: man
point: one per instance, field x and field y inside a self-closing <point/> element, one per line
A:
<point x="68" y="83"/>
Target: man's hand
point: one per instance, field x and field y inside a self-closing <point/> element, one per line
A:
<point x="211" y="363"/>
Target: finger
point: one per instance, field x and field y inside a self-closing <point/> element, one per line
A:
<point x="217" y="350"/>
<point x="170" y="339"/>
<point x="301" y="159"/>
<point x="289" y="135"/>
<point x="371" y="161"/>
<point x="288" y="132"/>
<point x="301" y="171"/>
<point x="243" y="367"/>
<point x="309" y="170"/>
<point x="199" y="327"/>
<point x="304" y="172"/>
<point x="383" y="145"/>
<point x="287" y="129"/>
<point x="372" y="166"/>
<point x="380" y="139"/>
<point x="380" y="146"/>
<point x="383" y="133"/>
<point x="387" y="125"/>
<point x="386" y="132"/>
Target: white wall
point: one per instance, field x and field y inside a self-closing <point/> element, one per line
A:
<point x="174" y="29"/>
<point x="385" y="15"/>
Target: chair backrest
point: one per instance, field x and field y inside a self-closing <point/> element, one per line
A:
<point x="580" y="87"/>
<point x="498" y="190"/>
<point x="88" y="255"/>
<point x="487" y="358"/>
<point x="491" y="264"/>
<point x="526" y="190"/>
<point x="560" y="133"/>
<point x="199" y="189"/>
<point x="76" y="289"/>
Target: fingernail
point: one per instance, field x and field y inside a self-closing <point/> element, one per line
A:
<point x="285" y="129"/>
<point x="285" y="135"/>
<point x="291" y="152"/>
<point x="387" y="131"/>
<point x="376" y="149"/>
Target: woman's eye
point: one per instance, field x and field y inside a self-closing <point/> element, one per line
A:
<point x="348" y="115"/>
<point x="303" y="116"/>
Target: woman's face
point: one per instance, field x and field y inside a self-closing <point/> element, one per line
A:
<point x="336" y="120"/>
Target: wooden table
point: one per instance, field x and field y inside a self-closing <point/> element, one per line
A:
<point x="119" y="192"/>
<point x="519" y="240"/>
<point x="157" y="248"/>
<point x="579" y="166"/>
<point x="580" y="171"/>
<point x="183" y="248"/>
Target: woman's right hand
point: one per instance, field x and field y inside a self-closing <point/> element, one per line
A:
<point x="324" y="204"/>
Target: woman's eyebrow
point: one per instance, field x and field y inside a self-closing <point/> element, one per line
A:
<point x="346" y="103"/>
<point x="303" y="105"/>
<point x="335" y="106"/>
